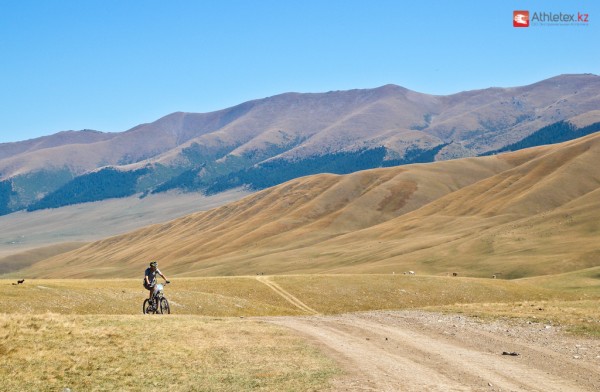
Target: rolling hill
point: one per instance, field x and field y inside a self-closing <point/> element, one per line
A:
<point x="268" y="141"/>
<point x="525" y="213"/>
<point x="26" y="237"/>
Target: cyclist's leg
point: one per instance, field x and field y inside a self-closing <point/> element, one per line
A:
<point x="152" y="289"/>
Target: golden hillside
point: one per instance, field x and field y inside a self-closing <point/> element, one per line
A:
<point x="526" y="213"/>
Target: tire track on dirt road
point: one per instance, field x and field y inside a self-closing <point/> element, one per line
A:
<point x="397" y="351"/>
<point x="286" y="295"/>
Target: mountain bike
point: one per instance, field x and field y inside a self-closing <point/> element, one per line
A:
<point x="158" y="304"/>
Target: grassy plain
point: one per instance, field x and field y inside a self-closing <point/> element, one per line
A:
<point x="90" y="334"/>
<point x="51" y="352"/>
<point x="248" y="296"/>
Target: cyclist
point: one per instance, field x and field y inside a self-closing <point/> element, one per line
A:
<point x="150" y="278"/>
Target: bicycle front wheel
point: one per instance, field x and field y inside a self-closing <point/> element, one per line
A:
<point x="146" y="307"/>
<point x="164" y="306"/>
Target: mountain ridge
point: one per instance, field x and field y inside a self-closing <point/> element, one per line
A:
<point x="204" y="149"/>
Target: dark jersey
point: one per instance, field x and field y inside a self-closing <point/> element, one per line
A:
<point x="151" y="275"/>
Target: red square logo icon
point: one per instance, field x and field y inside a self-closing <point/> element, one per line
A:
<point x="520" y="18"/>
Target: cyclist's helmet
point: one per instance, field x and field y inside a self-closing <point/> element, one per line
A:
<point x="153" y="264"/>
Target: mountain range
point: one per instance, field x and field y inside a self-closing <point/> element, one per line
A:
<point x="265" y="142"/>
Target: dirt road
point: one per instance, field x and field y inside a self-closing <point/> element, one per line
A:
<point x="422" y="351"/>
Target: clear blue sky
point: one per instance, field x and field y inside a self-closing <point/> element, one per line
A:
<point x="112" y="64"/>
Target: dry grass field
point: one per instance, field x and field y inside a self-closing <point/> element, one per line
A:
<point x="575" y="305"/>
<point x="89" y="334"/>
<point x="251" y="296"/>
<point x="51" y="352"/>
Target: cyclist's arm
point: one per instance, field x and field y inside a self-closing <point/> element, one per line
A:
<point x="164" y="277"/>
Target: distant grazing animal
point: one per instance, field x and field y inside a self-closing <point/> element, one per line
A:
<point x="411" y="272"/>
<point x="455" y="274"/>
<point x="493" y="276"/>
<point x="21" y="281"/>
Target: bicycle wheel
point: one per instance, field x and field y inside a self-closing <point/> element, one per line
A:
<point x="164" y="306"/>
<point x="145" y="306"/>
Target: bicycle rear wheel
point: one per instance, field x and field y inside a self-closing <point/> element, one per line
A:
<point x="164" y="306"/>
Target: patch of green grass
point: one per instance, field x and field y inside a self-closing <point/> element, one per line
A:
<point x="584" y="284"/>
